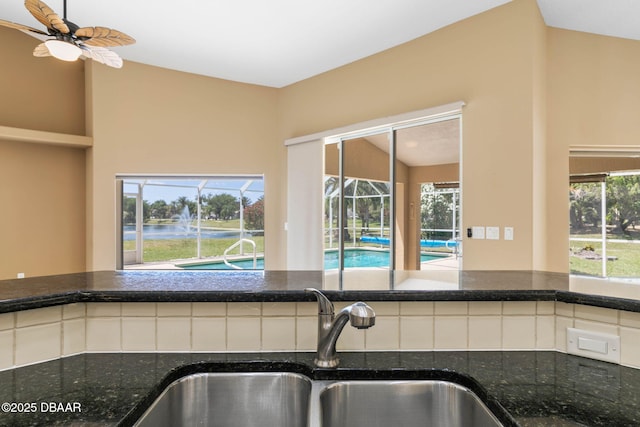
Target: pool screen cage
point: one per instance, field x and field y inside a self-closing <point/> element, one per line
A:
<point x="367" y="210"/>
<point x="189" y="194"/>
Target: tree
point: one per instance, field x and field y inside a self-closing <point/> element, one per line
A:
<point x="437" y="212"/>
<point x="254" y="216"/>
<point x="584" y="205"/>
<point x="224" y="206"/>
<point x="129" y="210"/>
<point x="159" y="209"/>
<point x="623" y="201"/>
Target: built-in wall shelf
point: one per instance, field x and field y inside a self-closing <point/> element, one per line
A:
<point x="41" y="137"/>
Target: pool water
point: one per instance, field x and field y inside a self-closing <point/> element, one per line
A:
<point x="353" y="258"/>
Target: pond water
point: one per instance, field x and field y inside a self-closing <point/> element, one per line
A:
<point x="176" y="231"/>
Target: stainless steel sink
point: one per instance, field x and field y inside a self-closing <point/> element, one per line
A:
<point x="232" y="399"/>
<point x="286" y="399"/>
<point x="402" y="403"/>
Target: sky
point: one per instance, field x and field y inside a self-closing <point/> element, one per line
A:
<point x="170" y="190"/>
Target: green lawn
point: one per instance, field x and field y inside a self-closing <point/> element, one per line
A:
<point x="175" y="249"/>
<point x="627" y="263"/>
<point x="158" y="250"/>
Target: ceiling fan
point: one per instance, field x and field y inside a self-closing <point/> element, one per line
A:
<point x="65" y="40"/>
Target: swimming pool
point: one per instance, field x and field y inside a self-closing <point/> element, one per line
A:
<point x="353" y="258"/>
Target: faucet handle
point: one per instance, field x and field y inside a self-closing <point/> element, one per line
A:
<point x="324" y="305"/>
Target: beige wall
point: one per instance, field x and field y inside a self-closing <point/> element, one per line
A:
<point x="42" y="216"/>
<point x="486" y="61"/>
<point x="39" y="93"/>
<point x="155" y="121"/>
<point x="530" y="93"/>
<point x="592" y="99"/>
<point x="42" y="188"/>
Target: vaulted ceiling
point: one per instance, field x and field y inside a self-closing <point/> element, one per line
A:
<point x="279" y="42"/>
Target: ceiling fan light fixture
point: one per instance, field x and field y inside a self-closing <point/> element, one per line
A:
<point x="63" y="50"/>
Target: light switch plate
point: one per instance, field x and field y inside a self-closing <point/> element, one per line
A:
<point x="493" y="233"/>
<point x="478" y="232"/>
<point x="594" y="345"/>
<point x="508" y="233"/>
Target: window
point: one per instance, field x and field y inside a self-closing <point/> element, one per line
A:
<point x="604" y="220"/>
<point x="391" y="199"/>
<point x="360" y="220"/>
<point x="191" y="222"/>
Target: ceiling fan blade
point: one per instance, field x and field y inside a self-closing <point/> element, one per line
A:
<point x="41" y="51"/>
<point x="102" y="55"/>
<point x="103" y="37"/>
<point x="46" y="16"/>
<point x="21" y="27"/>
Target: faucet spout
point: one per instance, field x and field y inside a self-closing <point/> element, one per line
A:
<point x="359" y="314"/>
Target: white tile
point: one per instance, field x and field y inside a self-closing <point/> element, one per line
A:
<point x="279" y="309"/>
<point x="485" y="308"/>
<point x="208" y="334"/>
<point x="485" y="332"/>
<point x="450" y="332"/>
<point x="385" y="308"/>
<point x="244" y="309"/>
<point x="562" y="323"/>
<point x="564" y="309"/>
<point x="351" y="339"/>
<point x="103" y="333"/>
<point x="278" y="333"/>
<point x="306" y="333"/>
<point x="519" y="308"/>
<point x="7" y="321"/>
<point x="630" y="319"/>
<point x="38" y="343"/>
<point x="139" y="333"/>
<point x="138" y="309"/>
<point x="173" y="309"/>
<point x="307" y="308"/>
<point x="443" y="308"/>
<point x="518" y="332"/>
<point x="243" y="334"/>
<point x="630" y="347"/>
<point x="416" y="332"/>
<point x="587" y="325"/>
<point x="209" y="309"/>
<point x="38" y="316"/>
<point x="416" y="308"/>
<point x="6" y="349"/>
<point x="73" y="336"/>
<point x="599" y="314"/>
<point x="74" y="311"/>
<point x="104" y="309"/>
<point x="173" y="333"/>
<point x="384" y="335"/>
<point x="545" y="332"/>
<point x="546" y="307"/>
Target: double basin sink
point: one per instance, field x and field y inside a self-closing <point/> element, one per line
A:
<point x="293" y="400"/>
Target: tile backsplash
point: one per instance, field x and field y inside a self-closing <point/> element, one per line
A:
<point x="32" y="336"/>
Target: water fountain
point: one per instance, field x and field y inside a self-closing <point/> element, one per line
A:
<point x="184" y="220"/>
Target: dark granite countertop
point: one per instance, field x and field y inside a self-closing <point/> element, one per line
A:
<point x="524" y="388"/>
<point x="274" y="286"/>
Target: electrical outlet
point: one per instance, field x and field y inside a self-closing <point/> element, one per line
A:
<point x="594" y="345"/>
